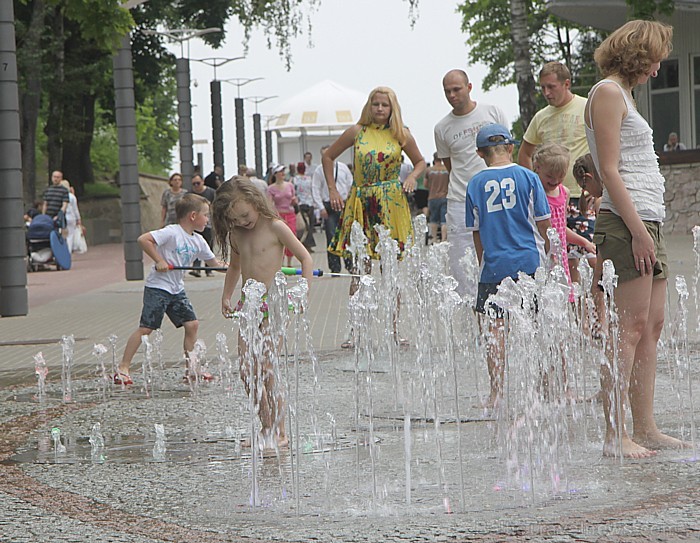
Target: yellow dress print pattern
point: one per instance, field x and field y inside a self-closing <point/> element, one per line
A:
<point x="376" y="196"/>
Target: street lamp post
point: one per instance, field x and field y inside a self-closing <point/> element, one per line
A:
<point x="184" y="99"/>
<point x="268" y="138"/>
<point x="129" y="188"/>
<point x="130" y="191"/>
<point x="14" y="300"/>
<point x="238" y="82"/>
<point x="257" y="132"/>
<point x="217" y="124"/>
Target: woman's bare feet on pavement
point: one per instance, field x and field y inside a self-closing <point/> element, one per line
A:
<point x="660" y="441"/>
<point x="282" y="442"/>
<point x="629" y="449"/>
<point x="489" y="403"/>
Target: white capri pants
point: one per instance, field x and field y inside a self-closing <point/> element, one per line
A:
<point x="459" y="239"/>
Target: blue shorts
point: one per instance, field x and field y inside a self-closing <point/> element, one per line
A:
<point x="494" y="310"/>
<point x="486" y="290"/>
<point x="158" y="302"/>
<point x="437" y="208"/>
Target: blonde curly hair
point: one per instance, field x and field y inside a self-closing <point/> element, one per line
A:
<point x="631" y="50"/>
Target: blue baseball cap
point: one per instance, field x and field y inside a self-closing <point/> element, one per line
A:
<point x="483" y="138"/>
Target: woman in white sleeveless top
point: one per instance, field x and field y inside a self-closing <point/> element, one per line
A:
<point x="628" y="231"/>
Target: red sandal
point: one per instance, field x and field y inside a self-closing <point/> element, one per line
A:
<point x="122" y="379"/>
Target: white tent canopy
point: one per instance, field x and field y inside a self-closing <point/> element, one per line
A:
<point x="325" y="107"/>
<point x="314" y="118"/>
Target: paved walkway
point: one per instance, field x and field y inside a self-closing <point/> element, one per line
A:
<point x="347" y="484"/>
<point x="92" y="301"/>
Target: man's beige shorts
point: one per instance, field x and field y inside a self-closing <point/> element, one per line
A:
<point x="614" y="242"/>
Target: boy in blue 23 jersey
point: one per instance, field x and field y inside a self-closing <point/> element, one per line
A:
<point x="508" y="213"/>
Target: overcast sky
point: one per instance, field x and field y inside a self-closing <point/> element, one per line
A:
<point x="359" y="44"/>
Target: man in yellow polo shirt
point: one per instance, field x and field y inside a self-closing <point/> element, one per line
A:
<point x="560" y="122"/>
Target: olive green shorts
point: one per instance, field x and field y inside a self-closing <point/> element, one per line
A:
<point x="614" y="242"/>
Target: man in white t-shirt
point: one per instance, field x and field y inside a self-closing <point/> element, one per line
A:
<point x="455" y="141"/>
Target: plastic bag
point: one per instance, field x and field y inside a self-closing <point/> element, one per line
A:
<point x="79" y="243"/>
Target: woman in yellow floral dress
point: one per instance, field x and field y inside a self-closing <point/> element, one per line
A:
<point x="376" y="196"/>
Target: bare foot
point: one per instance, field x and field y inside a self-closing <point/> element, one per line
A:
<point x="492" y="402"/>
<point x="401" y="342"/>
<point x="659" y="441"/>
<point x="629" y="448"/>
<point x="571" y="397"/>
<point x="280" y="442"/>
<point x="597" y="397"/>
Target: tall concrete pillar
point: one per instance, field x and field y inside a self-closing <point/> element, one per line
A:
<point x="13" y="265"/>
<point x="217" y="124"/>
<point x="257" y="137"/>
<point x="240" y="131"/>
<point x="184" y="114"/>
<point x="125" y="106"/>
<point x="268" y="150"/>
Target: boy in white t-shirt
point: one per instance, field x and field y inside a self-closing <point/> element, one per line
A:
<point x="176" y="245"/>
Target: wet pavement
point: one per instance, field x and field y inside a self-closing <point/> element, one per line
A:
<point x="345" y="476"/>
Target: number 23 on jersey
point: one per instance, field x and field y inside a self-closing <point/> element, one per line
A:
<point x="501" y="195"/>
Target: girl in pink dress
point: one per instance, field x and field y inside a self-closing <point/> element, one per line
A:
<point x="283" y="196"/>
<point x="551" y="162"/>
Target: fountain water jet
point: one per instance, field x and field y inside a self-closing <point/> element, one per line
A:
<point x="41" y="372"/>
<point x="67" y="347"/>
<point x="103" y="378"/>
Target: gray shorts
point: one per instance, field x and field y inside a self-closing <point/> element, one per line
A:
<point x="158" y="302"/>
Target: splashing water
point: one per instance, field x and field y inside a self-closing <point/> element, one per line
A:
<point x="696" y="291"/>
<point x="358" y="246"/>
<point x="298" y="296"/>
<point x="159" y="447"/>
<point x="682" y="351"/>
<point x="97" y="444"/>
<point x="252" y="362"/>
<point x="147" y="365"/>
<point x="112" y="339"/>
<point x="388" y="304"/>
<point x="363" y="306"/>
<point x="67" y="346"/>
<point x="157" y="342"/>
<point x="226" y="370"/>
<point x="41" y="372"/>
<point x="609" y="284"/>
<point x="58" y="446"/>
<point x="103" y="378"/>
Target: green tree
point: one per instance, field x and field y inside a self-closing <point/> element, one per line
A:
<point x="522" y="65"/>
<point x="491" y="41"/>
<point x="65" y="49"/>
<point x="647" y="9"/>
<point x="48" y="33"/>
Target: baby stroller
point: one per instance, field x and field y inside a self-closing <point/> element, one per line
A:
<point x="46" y="247"/>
